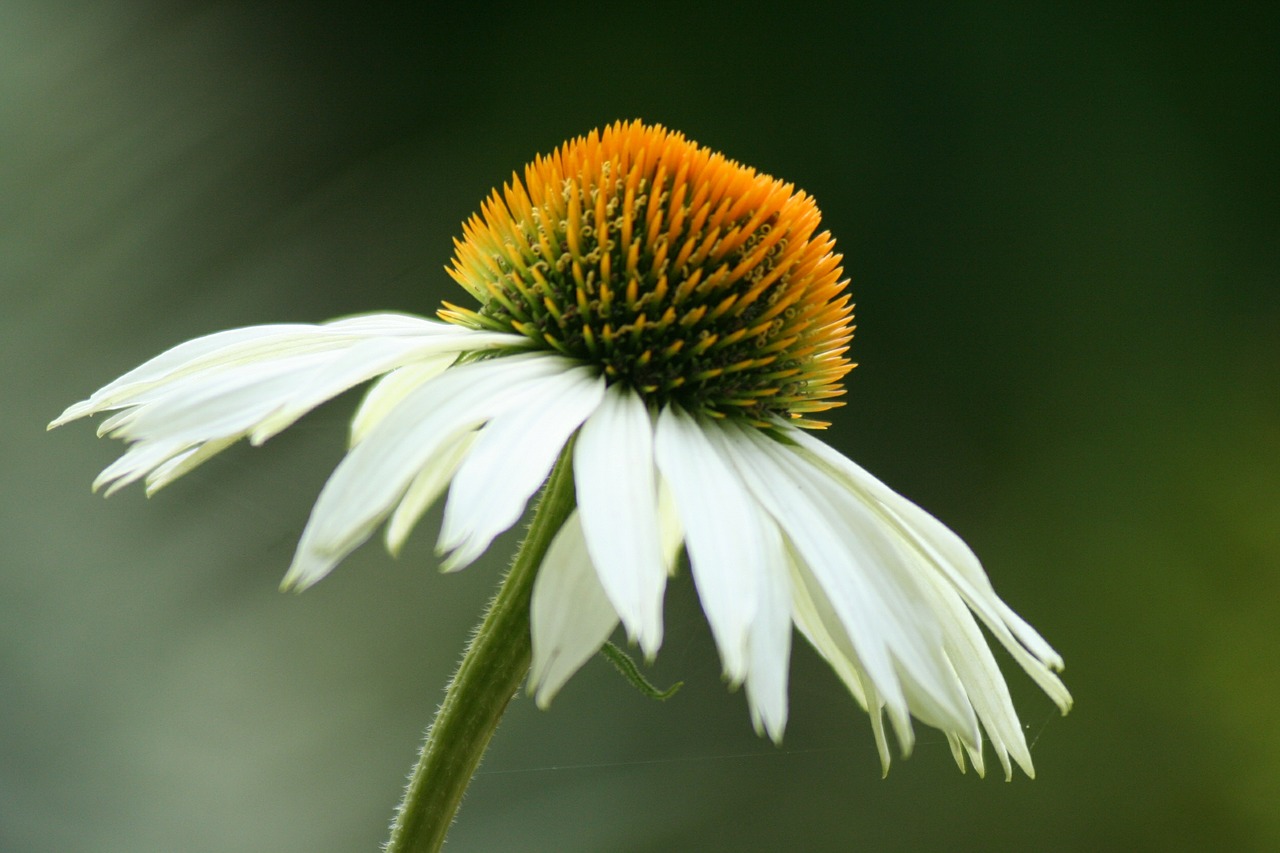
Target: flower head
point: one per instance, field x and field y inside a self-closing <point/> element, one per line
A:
<point x="674" y="318"/>
<point x="683" y="275"/>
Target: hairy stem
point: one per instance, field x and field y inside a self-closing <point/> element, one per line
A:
<point x="492" y="668"/>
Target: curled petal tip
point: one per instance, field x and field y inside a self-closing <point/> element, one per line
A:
<point x="292" y="584"/>
<point x="69" y="414"/>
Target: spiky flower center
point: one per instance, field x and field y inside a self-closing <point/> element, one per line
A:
<point x="687" y="276"/>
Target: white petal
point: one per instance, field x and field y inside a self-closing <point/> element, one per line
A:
<point x="872" y="583"/>
<point x="724" y="533"/>
<point x="958" y="586"/>
<point x="967" y="649"/>
<point x="375" y="474"/>
<point x="188" y="403"/>
<point x="947" y="554"/>
<point x="136" y="462"/>
<point x="255" y="344"/>
<point x="770" y="658"/>
<point x="428" y="485"/>
<point x="571" y="616"/>
<point x="194" y="422"/>
<point x="385" y="394"/>
<point x="977" y="669"/>
<point x="510" y="459"/>
<point x="216" y="405"/>
<point x="958" y="752"/>
<point x="172" y="362"/>
<point x="822" y="627"/>
<point x="819" y="624"/>
<point x="882" y="740"/>
<point x="670" y="530"/>
<point x="185" y="463"/>
<point x="114" y="422"/>
<point x="617" y="496"/>
<point x="341" y="371"/>
<point x="822" y="557"/>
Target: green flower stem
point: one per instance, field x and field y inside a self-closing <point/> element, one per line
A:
<point x="495" y="663"/>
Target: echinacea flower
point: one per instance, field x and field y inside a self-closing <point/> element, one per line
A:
<point x="676" y="320"/>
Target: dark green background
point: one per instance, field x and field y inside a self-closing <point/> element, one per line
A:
<point x="1061" y="226"/>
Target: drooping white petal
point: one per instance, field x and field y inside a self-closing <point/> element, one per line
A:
<point x="185" y="462"/>
<point x="255" y="344"/>
<point x="738" y="561"/>
<point x="977" y="669"/>
<point x="511" y="458"/>
<point x="876" y="715"/>
<point x="670" y="530"/>
<point x="957" y="586"/>
<point x="215" y="404"/>
<point x="428" y="485"/>
<point x="375" y="474"/>
<point x="570" y="617"/>
<point x="617" y="497"/>
<point x="947" y="554"/>
<point x="185" y="405"/>
<point x="135" y="463"/>
<point x="834" y="584"/>
<point x="387" y="392"/>
<point x="112" y="422"/>
<point x="724" y="533"/>
<point x="819" y="624"/>
<point x="189" y="355"/>
<point x="822" y="627"/>
<point x="344" y="370"/>
<point x="871" y="582"/>
<point x="770" y="656"/>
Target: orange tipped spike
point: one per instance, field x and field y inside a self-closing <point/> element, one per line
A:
<point x="731" y="301"/>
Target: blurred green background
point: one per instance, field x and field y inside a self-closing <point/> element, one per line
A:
<point x="1061" y="224"/>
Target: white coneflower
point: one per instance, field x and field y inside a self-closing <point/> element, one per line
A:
<point x="676" y="319"/>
